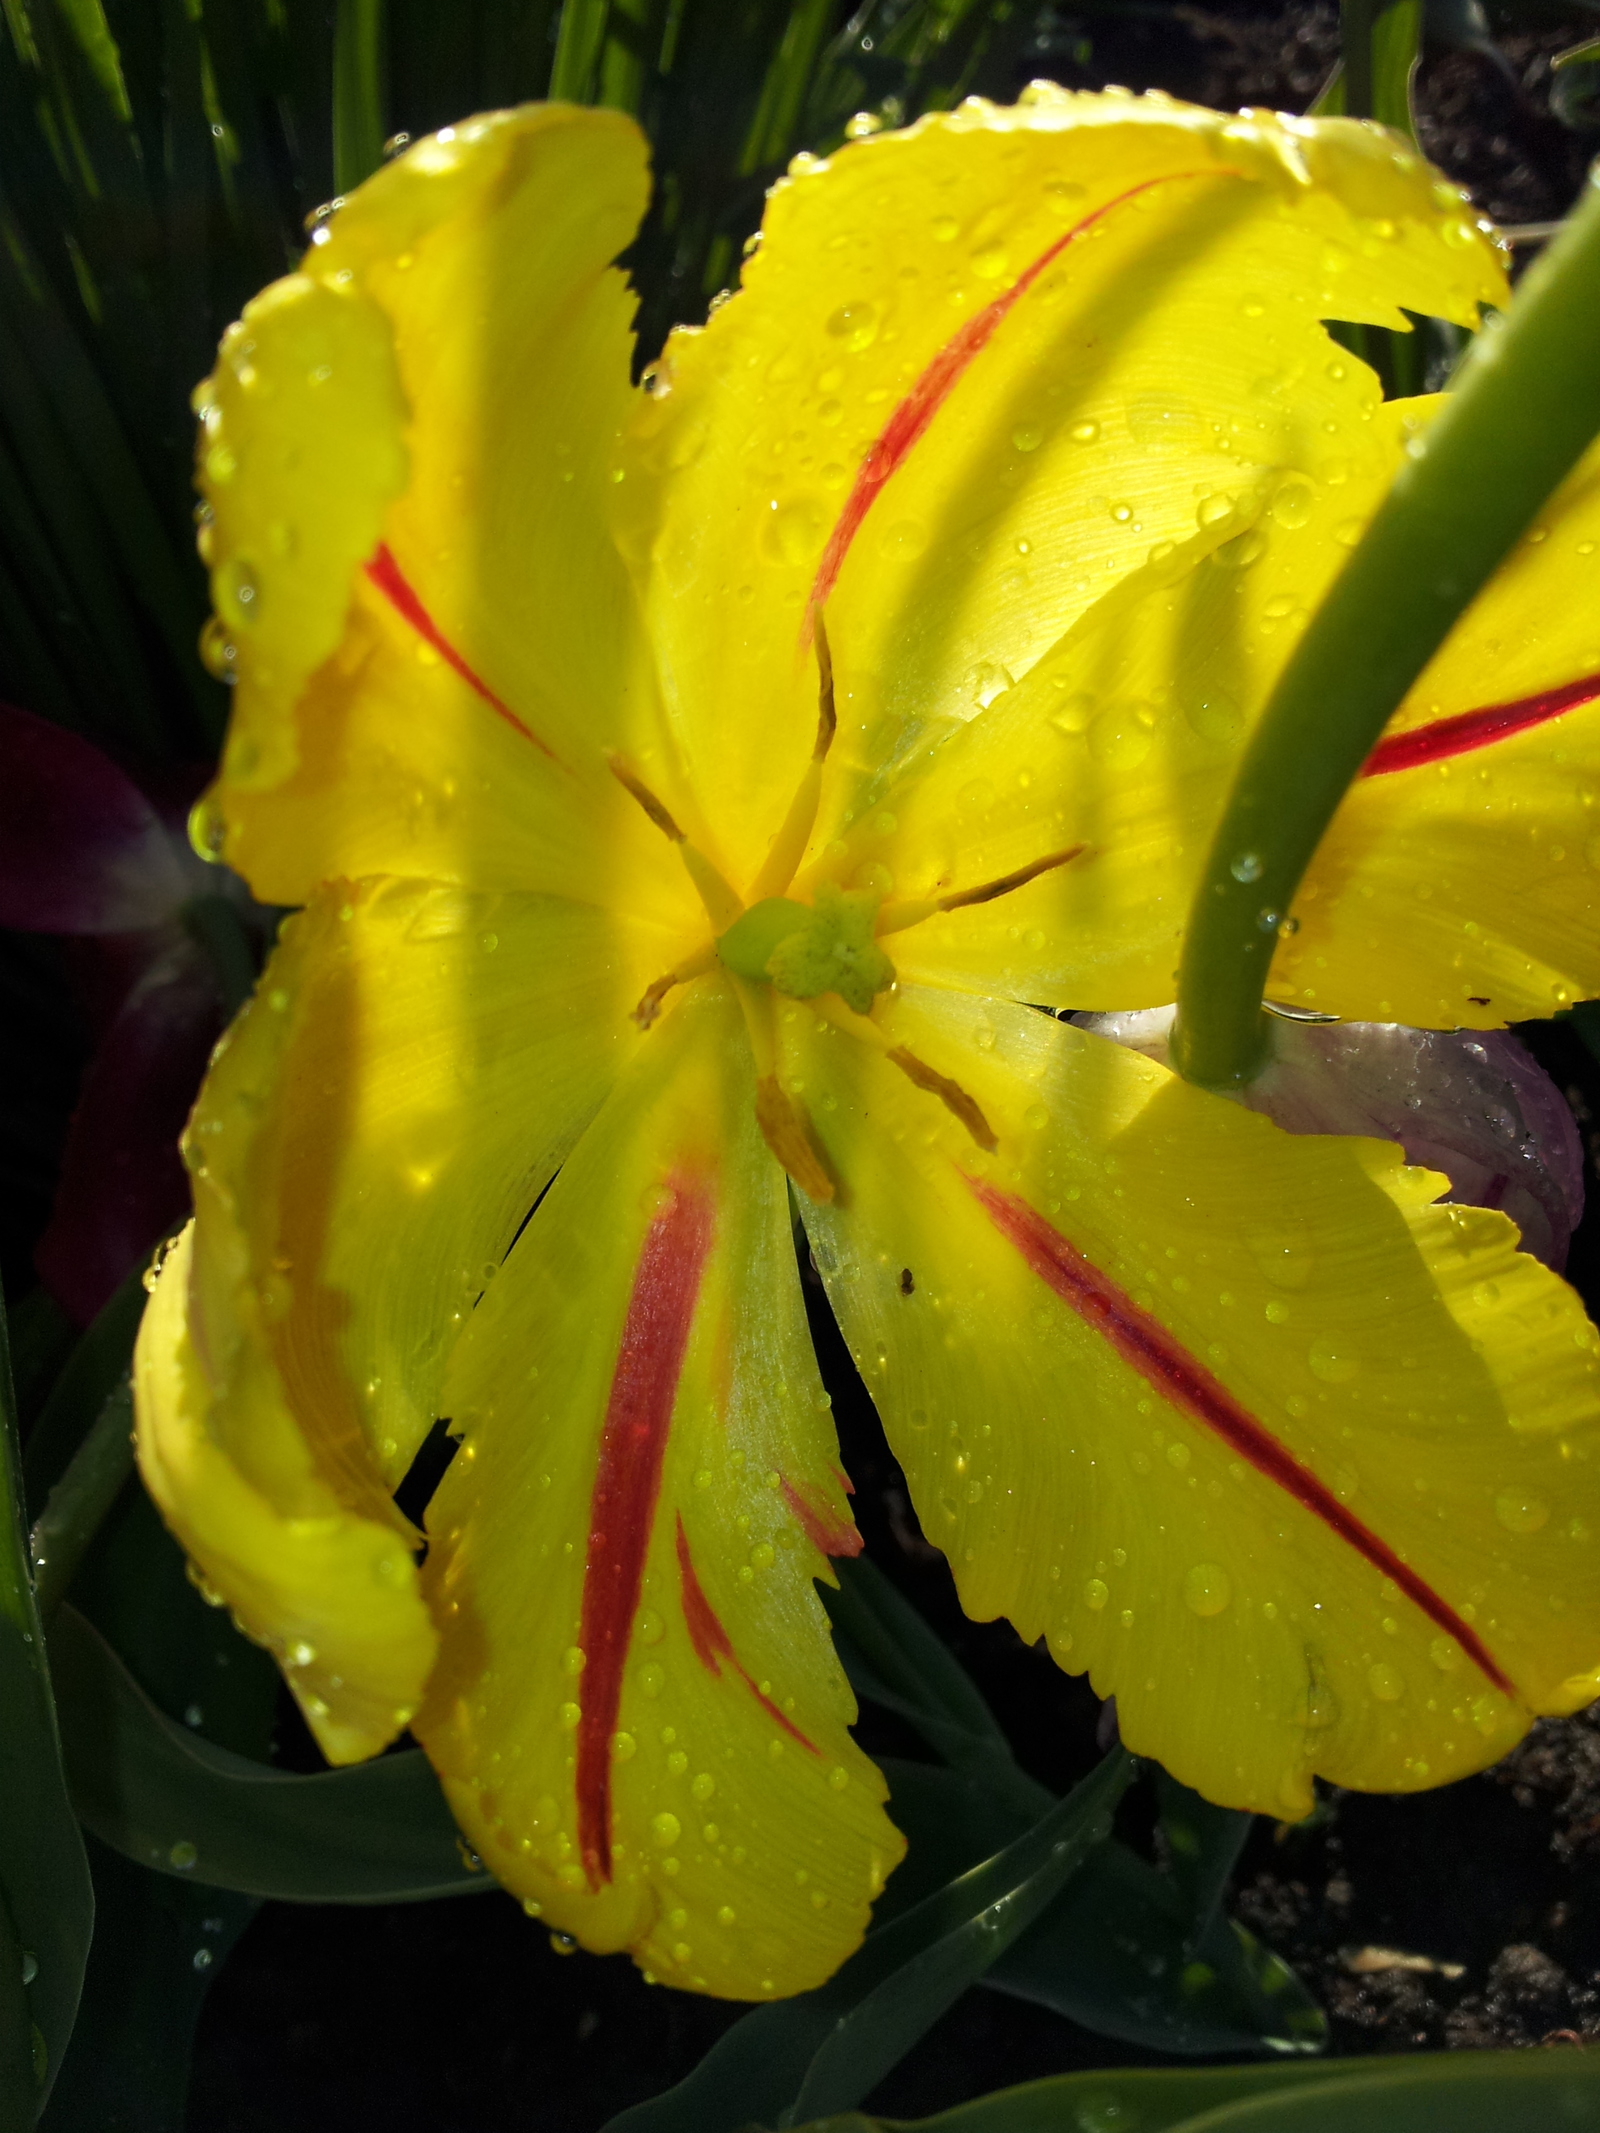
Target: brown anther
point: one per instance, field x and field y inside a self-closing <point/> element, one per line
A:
<point x="631" y="782"/>
<point x="987" y="891"/>
<point x="827" y="717"/>
<point x="950" y="1093"/>
<point x="785" y="1130"/>
<point x="694" y="966"/>
<point x="650" y="1006"/>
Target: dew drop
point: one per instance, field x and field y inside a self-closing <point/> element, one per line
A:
<point x="1386" y="1682"/>
<point x="665" y="1830"/>
<point x="1246" y="867"/>
<point x="1519" y="1511"/>
<point x="182" y="1855"/>
<point x="1291" y="507"/>
<point x="1332" y="1362"/>
<point x="1096" y="1593"/>
<point x="987" y="681"/>
<point x="854" y="324"/>
<point x="1207" y="1589"/>
<point x="1120" y="736"/>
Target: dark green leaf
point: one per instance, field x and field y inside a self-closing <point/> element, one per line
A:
<point x="158" y="1944"/>
<point x="163" y="1796"/>
<point x="1125" y="1950"/>
<point x="44" y="1877"/>
<point x="825" y="2049"/>
<point x="1458" y="2092"/>
<point x="1203" y="1845"/>
<point x="894" y="1659"/>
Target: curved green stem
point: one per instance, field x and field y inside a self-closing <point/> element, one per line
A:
<point x="1526" y="404"/>
<point x="80" y="1500"/>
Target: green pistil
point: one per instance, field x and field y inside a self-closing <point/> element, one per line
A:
<point x="803" y="950"/>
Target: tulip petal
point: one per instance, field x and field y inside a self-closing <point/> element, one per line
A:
<point x="81" y="848"/>
<point x="976" y="372"/>
<point x="1298" y="1466"/>
<point x="406" y="447"/>
<point x="1457" y="884"/>
<point x="277" y="1533"/>
<point x="638" y="1716"/>
<point x="416" y="1064"/>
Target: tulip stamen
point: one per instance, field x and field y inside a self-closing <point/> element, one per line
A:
<point x="696" y="966"/>
<point x="789" y="846"/>
<point x="917" y="1071"/>
<point x="896" y="917"/>
<point x="784" y="1125"/>
<point x="722" y="906"/>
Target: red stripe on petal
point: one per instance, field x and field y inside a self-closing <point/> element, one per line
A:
<point x="712" y="1643"/>
<point x="633" y="1443"/>
<point x="1169" y="1369"/>
<point x="1469" y="730"/>
<point x="386" y="574"/>
<point x="911" y="418"/>
<point x="828" y="1534"/>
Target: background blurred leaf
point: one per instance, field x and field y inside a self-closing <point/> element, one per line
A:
<point x="44" y="1877"/>
<point x="824" y="2050"/>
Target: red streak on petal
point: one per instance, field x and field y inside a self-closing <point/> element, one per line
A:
<point x="386" y="574"/>
<point x="627" y="1482"/>
<point x="1468" y="730"/>
<point x="830" y="1536"/>
<point x="911" y="418"/>
<point x="1168" y="1367"/>
<point x="711" y="1641"/>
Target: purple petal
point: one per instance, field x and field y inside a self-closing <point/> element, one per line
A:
<point x="122" y="1184"/>
<point x="81" y="848"/>
<point x="1474" y="1104"/>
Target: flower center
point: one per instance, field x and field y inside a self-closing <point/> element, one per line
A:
<point x="826" y="952"/>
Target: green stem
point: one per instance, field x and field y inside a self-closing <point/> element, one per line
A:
<point x="77" y="1505"/>
<point x="357" y="92"/>
<point x="1526" y="404"/>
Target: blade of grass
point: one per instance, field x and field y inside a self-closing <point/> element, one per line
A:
<point x="358" y="128"/>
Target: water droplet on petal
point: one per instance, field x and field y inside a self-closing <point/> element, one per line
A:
<point x="1207" y="1589"/>
<point x="1519" y="1511"/>
<point x="1386" y="1682"/>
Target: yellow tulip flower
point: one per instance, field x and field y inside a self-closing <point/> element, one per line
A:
<point x="697" y="786"/>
